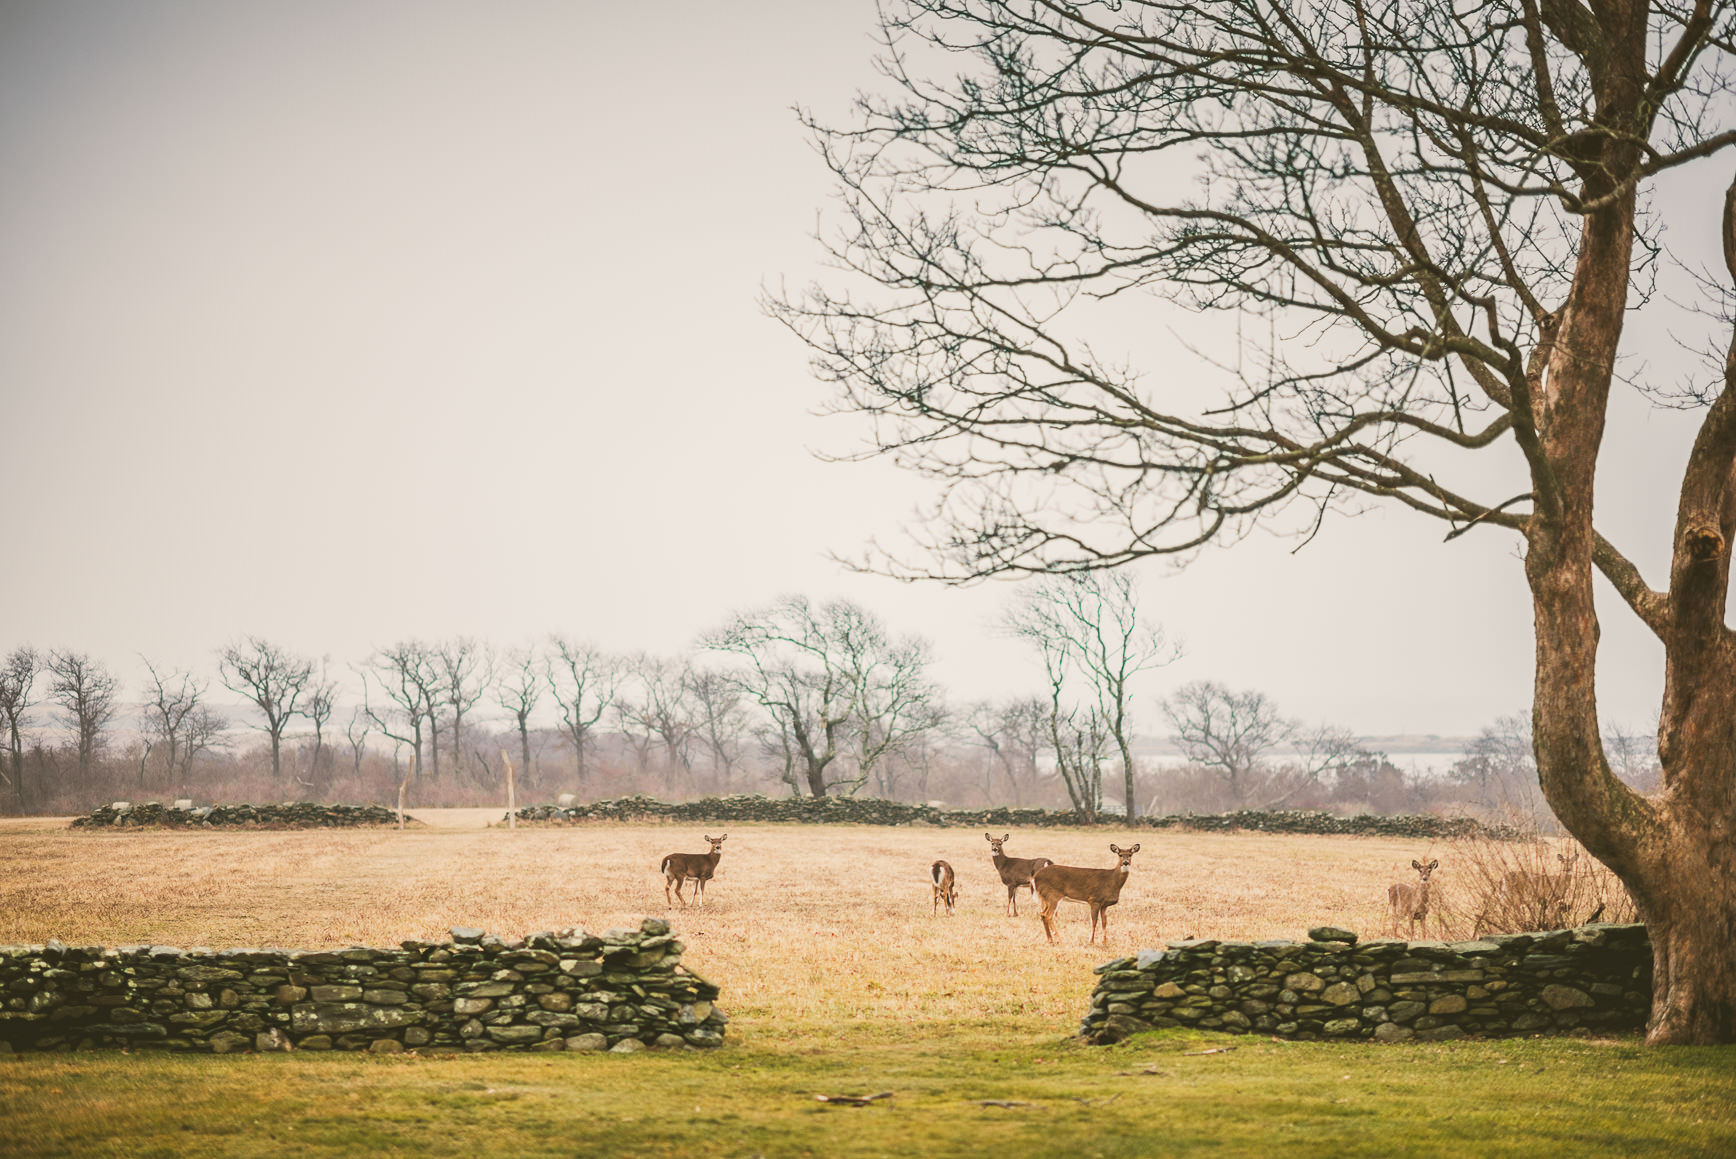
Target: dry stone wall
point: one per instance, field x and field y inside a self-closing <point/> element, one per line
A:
<point x="1333" y="987"/>
<point x="289" y="815"/>
<point x="623" y="990"/>
<point x="869" y="811"/>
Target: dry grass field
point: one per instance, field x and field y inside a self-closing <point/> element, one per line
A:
<point x="803" y="925"/>
<point x="838" y="980"/>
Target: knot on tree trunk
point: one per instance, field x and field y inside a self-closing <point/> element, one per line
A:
<point x="1704" y="543"/>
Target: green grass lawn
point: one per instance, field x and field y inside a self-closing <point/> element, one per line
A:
<point x="1154" y="1095"/>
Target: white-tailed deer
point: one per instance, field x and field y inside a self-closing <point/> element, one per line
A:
<point x="1097" y="888"/>
<point x="1404" y="900"/>
<point x="945" y="887"/>
<point x="695" y="867"/>
<point x="1014" y="871"/>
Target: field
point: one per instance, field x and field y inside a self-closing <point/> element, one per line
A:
<point x="838" y="981"/>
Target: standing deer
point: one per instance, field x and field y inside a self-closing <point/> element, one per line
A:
<point x="1405" y="900"/>
<point x="1015" y="871"/>
<point x="1097" y="888"/>
<point x="945" y="890"/>
<point x="695" y="867"/>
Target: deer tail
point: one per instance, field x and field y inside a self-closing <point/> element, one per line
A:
<point x="664" y="868"/>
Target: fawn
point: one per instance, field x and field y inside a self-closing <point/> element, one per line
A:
<point x="945" y="888"/>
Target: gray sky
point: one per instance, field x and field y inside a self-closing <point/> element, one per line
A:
<point x="343" y="322"/>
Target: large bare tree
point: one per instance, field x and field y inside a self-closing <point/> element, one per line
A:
<point x="85" y="691"/>
<point x="518" y="690"/>
<point x="273" y="679"/>
<point x="1432" y="216"/>
<point x="408" y="677"/>
<point x="171" y="699"/>
<point x="17" y="675"/>
<point x="466" y="674"/>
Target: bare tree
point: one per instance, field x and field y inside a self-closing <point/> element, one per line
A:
<point x="317" y="710"/>
<point x="171" y="700"/>
<point x="518" y="691"/>
<point x="584" y="682"/>
<point x="407" y="678"/>
<point x="273" y="679"/>
<point x="1446" y="199"/>
<point x="466" y="674"/>
<point x="1093" y="617"/>
<point x="201" y="730"/>
<point x="660" y="711"/>
<point x="1226" y="732"/>
<point x="834" y="683"/>
<point x="720" y="721"/>
<point x="1013" y="732"/>
<point x="17" y="675"/>
<point x="85" y="691"/>
<point x="1499" y="762"/>
<point x="356" y="732"/>
<point x="1634" y="757"/>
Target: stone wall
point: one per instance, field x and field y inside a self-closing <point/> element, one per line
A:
<point x="623" y="990"/>
<point x="1331" y="986"/>
<point x="289" y="815"/>
<point x="869" y="811"/>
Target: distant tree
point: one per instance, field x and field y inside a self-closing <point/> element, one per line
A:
<point x="1634" y="757"/>
<point x="171" y="698"/>
<point x="720" y="720"/>
<point x="834" y="683"/>
<point x="317" y="710"/>
<point x="466" y="674"/>
<point x="518" y="691"/>
<point x="406" y="677"/>
<point x="1500" y="764"/>
<point x="660" y="709"/>
<point x="273" y="679"/>
<point x="202" y="730"/>
<point x="85" y="691"/>
<point x="584" y="682"/>
<point x="17" y="674"/>
<point x="1074" y="731"/>
<point x="356" y="732"/>
<point x="1226" y="732"/>
<point x="1093" y="619"/>
<point x="1013" y="732"/>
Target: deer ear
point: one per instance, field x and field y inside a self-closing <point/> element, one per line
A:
<point x="706" y="837"/>
<point x="1135" y="848"/>
<point x="989" y="839"/>
<point x="1434" y="865"/>
<point x="1415" y="864"/>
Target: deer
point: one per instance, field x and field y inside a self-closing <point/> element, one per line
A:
<point x="1538" y="897"/>
<point x="695" y="867"/>
<point x="1014" y="871"/>
<point x="945" y="888"/>
<point x="1405" y="900"/>
<point x="1097" y="888"/>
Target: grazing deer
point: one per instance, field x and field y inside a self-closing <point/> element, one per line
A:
<point x="1097" y="888"/>
<point x="945" y="889"/>
<point x="1536" y="897"/>
<point x="695" y="867"/>
<point x="1015" y="871"/>
<point x="1405" y="900"/>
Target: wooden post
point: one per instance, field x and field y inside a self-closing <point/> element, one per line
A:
<point x="511" y="792"/>
<point x="403" y="788"/>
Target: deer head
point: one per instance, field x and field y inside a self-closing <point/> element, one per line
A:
<point x="716" y="842"/>
<point x="1126" y="856"/>
<point x="1425" y="870"/>
<point x="995" y="843"/>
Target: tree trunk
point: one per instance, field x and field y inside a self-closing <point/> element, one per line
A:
<point x="524" y="748"/>
<point x="1127" y="774"/>
<point x="277" y="753"/>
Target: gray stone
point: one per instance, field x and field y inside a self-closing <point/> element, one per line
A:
<point x="588" y="1042"/>
<point x="1448" y="1004"/>
<point x="1566" y="997"/>
<point x="627" y="1046"/>
<point x="1392" y="1032"/>
<point x="1331" y="934"/>
<point x="1341" y="994"/>
<point x="1405" y="1011"/>
<point x="385" y="1046"/>
<point x="515" y="1034"/>
<point x="227" y="1042"/>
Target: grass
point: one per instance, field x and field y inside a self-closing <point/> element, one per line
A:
<point x="838" y="981"/>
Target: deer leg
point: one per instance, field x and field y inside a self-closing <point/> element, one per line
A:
<point x="1013" y="900"/>
<point x="1048" y="916"/>
<point x="699" y="888"/>
<point x="679" y="882"/>
<point x="667" y="900"/>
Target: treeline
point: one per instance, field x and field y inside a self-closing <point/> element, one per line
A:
<point x="798" y="697"/>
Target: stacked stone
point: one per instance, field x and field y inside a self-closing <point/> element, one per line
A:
<point x="289" y="815"/>
<point x="869" y="811"/>
<point x="624" y="990"/>
<point x="1387" y="990"/>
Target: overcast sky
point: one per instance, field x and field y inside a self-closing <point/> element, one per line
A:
<point x="339" y="323"/>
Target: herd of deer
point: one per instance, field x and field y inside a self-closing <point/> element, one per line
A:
<point x="1097" y="888"/>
